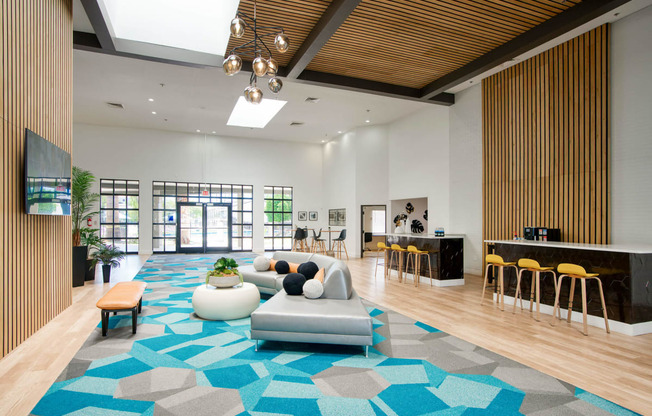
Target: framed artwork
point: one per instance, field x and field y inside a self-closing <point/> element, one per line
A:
<point x="337" y="217"/>
<point x="303" y="216"/>
<point x="313" y="215"/>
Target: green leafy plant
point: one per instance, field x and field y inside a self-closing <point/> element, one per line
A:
<point x="82" y="202"/>
<point x="89" y="238"/>
<point x="108" y="255"/>
<point x="224" y="266"/>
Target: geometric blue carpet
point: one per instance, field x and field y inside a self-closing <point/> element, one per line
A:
<point x="179" y="364"/>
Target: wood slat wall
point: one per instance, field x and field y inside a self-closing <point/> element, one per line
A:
<point x="545" y="128"/>
<point x="36" y="251"/>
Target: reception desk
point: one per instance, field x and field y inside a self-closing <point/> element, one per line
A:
<point x="446" y="256"/>
<point x="625" y="272"/>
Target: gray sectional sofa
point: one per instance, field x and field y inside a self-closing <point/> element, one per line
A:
<point x="337" y="317"/>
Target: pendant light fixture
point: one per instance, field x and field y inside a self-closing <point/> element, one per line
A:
<point x="262" y="62"/>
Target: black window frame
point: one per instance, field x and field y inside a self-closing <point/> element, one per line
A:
<point x="216" y="194"/>
<point x="270" y="228"/>
<point x="105" y="185"/>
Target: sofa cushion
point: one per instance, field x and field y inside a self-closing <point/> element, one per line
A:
<point x="282" y="267"/>
<point x="293" y="284"/>
<point x="261" y="263"/>
<point x="322" y="261"/>
<point x="308" y="269"/>
<point x="266" y="279"/>
<point x="337" y="282"/>
<point x="317" y="316"/>
<point x="292" y="256"/>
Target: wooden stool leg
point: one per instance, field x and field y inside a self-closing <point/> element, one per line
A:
<point x="484" y="284"/>
<point x="518" y="291"/>
<point x="556" y="307"/>
<point x="584" y="317"/>
<point x="417" y="270"/>
<point x="604" y="306"/>
<point x="532" y="290"/>
<point x="570" y="299"/>
<point x="538" y="290"/>
<point x="501" y="277"/>
<point x="554" y="277"/>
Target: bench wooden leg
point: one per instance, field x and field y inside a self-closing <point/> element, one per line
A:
<point x="134" y="319"/>
<point x="105" y="322"/>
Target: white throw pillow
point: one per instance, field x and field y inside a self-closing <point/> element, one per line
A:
<point x="313" y="289"/>
<point x="261" y="264"/>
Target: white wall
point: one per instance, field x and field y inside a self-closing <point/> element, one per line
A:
<point x="419" y="162"/>
<point x="631" y="128"/>
<point x="152" y="155"/>
<point x="466" y="174"/>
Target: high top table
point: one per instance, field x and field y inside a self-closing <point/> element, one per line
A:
<point x="625" y="271"/>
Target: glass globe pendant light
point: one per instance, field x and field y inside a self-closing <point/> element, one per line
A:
<point x="272" y="67"/>
<point x="282" y="42"/>
<point x="232" y="65"/>
<point x="275" y="85"/>
<point x="259" y="66"/>
<point x="237" y="27"/>
<point x="255" y="95"/>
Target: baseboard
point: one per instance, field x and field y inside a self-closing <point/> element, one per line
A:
<point x="425" y="280"/>
<point x="596" y="321"/>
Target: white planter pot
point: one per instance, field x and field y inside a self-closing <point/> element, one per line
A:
<point x="224" y="281"/>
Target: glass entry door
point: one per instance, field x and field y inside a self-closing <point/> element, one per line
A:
<point x="203" y="228"/>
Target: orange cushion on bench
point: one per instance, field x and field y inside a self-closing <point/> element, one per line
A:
<point x="124" y="295"/>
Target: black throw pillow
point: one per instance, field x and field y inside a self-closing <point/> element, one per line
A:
<point x="308" y="269"/>
<point x="293" y="283"/>
<point x="282" y="267"/>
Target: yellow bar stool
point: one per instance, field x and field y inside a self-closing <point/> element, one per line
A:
<point x="536" y="269"/>
<point x="415" y="255"/>
<point x="575" y="272"/>
<point x="382" y="247"/>
<point x="494" y="260"/>
<point x="396" y="252"/>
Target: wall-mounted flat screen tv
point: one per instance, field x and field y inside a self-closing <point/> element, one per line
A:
<point x="47" y="177"/>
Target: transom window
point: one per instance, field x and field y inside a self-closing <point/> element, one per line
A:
<point x="119" y="215"/>
<point x="278" y="218"/>
<point x="165" y="196"/>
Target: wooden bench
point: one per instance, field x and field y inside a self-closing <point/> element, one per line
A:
<point x="125" y="296"/>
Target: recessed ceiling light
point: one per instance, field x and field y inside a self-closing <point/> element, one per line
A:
<point x="153" y="112"/>
<point x="198" y="131"/>
<point x="199" y="25"/>
<point x="367" y="121"/>
<point x="339" y="132"/>
<point x="150" y="100"/>
<point x="245" y="114"/>
<point x="323" y="141"/>
<point x="213" y="132"/>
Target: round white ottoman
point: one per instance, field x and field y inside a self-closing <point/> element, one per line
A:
<point x="225" y="304"/>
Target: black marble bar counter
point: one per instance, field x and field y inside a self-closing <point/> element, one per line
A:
<point x="625" y="272"/>
<point x="446" y="255"/>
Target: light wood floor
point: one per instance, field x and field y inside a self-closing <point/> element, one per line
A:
<point x="614" y="366"/>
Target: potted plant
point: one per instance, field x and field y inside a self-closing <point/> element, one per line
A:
<point x="110" y="257"/>
<point x="91" y="240"/>
<point x="224" y="274"/>
<point x="81" y="208"/>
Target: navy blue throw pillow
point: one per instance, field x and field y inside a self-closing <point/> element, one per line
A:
<point x="282" y="267"/>
<point x="293" y="283"/>
<point x="308" y="269"/>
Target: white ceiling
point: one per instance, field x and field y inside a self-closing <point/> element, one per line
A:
<point x="202" y="99"/>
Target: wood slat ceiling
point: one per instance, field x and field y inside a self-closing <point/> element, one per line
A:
<point x="412" y="43"/>
<point x="296" y="17"/>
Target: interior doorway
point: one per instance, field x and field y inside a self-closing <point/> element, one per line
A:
<point x="373" y="223"/>
<point x="203" y="227"/>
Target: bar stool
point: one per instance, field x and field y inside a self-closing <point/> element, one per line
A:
<point x="415" y="255"/>
<point x="339" y="243"/>
<point x="575" y="272"/>
<point x="536" y="270"/>
<point x="299" y="243"/>
<point x="396" y="251"/>
<point x="318" y="244"/>
<point x="382" y="247"/>
<point x="494" y="260"/>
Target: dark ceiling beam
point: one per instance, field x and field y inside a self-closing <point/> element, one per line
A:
<point x="89" y="42"/>
<point x="564" y="22"/>
<point x="94" y="13"/>
<point x="371" y="87"/>
<point x="330" y="21"/>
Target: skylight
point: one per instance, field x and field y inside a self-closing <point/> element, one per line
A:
<point x="245" y="114"/>
<point x="196" y="25"/>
